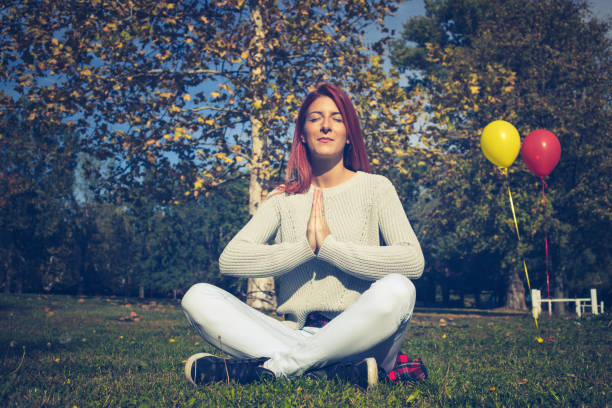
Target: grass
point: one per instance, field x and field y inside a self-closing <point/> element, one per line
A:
<point x="64" y="351"/>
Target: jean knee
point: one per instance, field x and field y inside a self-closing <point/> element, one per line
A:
<point x="197" y="294"/>
<point x="399" y="293"/>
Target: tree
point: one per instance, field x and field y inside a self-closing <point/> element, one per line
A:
<point x="185" y="241"/>
<point x="210" y="85"/>
<point x="536" y="64"/>
<point x="37" y="163"/>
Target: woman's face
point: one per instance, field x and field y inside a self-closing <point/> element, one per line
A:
<point x="324" y="130"/>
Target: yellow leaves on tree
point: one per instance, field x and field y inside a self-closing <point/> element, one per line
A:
<point x="223" y="156"/>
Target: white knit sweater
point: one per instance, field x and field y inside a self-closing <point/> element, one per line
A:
<point x="360" y="213"/>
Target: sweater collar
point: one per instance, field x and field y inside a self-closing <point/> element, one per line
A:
<point x="340" y="187"/>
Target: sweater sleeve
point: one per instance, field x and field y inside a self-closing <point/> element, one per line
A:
<point x="402" y="253"/>
<point x="252" y="254"/>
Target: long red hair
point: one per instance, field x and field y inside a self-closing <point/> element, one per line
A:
<point x="299" y="170"/>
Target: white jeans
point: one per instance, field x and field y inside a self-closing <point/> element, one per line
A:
<point x="373" y="326"/>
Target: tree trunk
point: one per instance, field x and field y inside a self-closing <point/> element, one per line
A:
<point x="8" y="270"/>
<point x="515" y="292"/>
<point x="560" y="308"/>
<point x="126" y="289"/>
<point x="7" y="281"/>
<point x="445" y="295"/>
<point x="19" y="289"/>
<point x="260" y="291"/>
<point x="141" y="291"/>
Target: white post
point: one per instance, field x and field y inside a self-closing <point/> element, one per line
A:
<point x="601" y="307"/>
<point x="536" y="302"/>
<point x="549" y="307"/>
<point x="594" y="302"/>
<point x="578" y="311"/>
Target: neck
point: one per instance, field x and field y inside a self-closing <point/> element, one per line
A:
<point x="327" y="174"/>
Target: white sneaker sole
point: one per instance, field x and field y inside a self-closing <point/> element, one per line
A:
<point x="372" y="372"/>
<point x="190" y="362"/>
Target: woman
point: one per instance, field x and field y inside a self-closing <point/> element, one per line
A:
<point x="320" y="235"/>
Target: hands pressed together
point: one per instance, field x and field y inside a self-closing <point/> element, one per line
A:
<point x="317" y="229"/>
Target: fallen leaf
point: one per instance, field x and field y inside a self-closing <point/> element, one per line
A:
<point x="133" y="317"/>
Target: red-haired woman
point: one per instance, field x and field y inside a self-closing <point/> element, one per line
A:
<point x="338" y="242"/>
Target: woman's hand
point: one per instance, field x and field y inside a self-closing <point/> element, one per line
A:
<point x="311" y="227"/>
<point x="322" y="229"/>
<point x="317" y="229"/>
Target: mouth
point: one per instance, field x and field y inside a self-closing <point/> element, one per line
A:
<point x="325" y="139"/>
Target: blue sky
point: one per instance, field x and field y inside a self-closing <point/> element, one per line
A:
<point x="409" y="8"/>
<point x="602" y="9"/>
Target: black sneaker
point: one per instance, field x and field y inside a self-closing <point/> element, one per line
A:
<point x="204" y="368"/>
<point x="364" y="373"/>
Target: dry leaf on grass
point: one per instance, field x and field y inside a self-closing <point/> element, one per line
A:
<point x="133" y="317"/>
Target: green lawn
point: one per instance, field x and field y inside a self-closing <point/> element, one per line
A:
<point x="66" y="351"/>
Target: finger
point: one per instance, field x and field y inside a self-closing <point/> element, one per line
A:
<point x="313" y="209"/>
<point x="321" y="205"/>
<point x="318" y="202"/>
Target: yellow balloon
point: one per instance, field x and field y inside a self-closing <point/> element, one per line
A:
<point x="500" y="143"/>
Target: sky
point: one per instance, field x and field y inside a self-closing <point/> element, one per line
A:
<point x="602" y="9"/>
<point x="409" y="8"/>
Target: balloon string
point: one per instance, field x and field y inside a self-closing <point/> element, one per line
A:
<point x="544" y="186"/>
<point x="518" y="235"/>
<point x="513" y="214"/>
<point x="527" y="275"/>
<point x="547" y="275"/>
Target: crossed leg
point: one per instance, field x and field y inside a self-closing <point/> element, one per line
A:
<point x="373" y="326"/>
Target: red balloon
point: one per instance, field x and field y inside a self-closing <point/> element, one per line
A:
<point x="541" y="152"/>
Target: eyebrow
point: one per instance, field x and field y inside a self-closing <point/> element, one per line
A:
<point x="321" y="113"/>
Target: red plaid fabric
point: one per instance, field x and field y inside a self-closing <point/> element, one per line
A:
<point x="408" y="369"/>
<point x="316" y="319"/>
<point x="405" y="369"/>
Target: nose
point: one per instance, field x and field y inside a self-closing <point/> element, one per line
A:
<point x="325" y="126"/>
